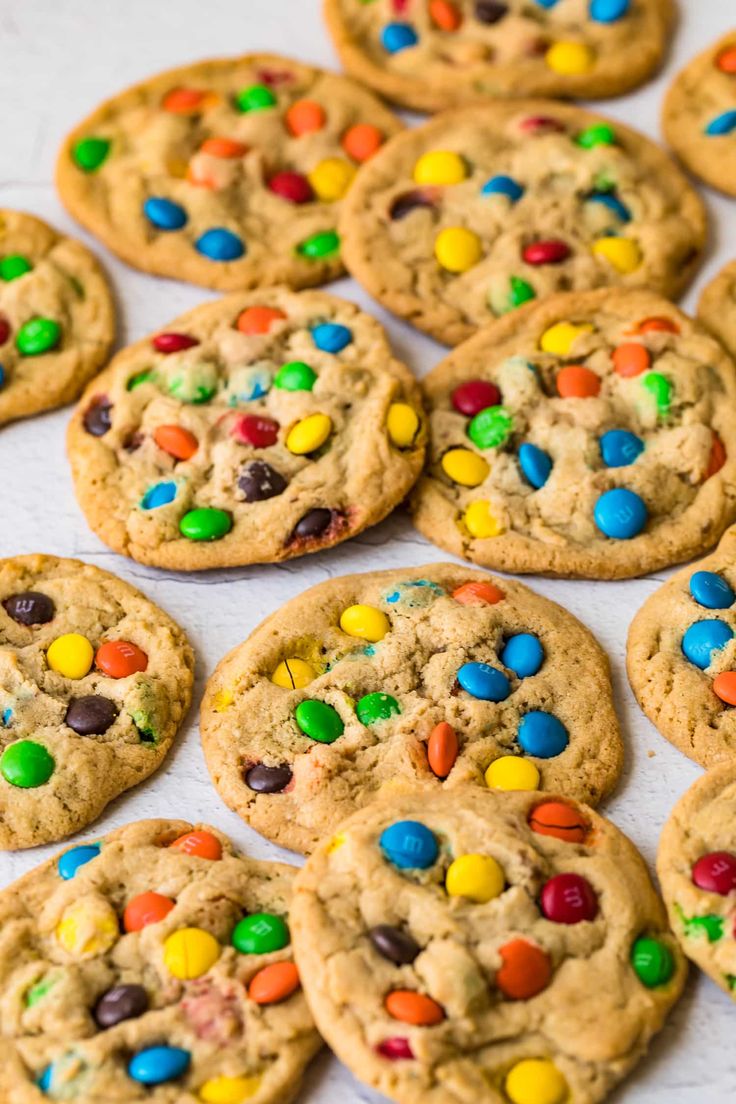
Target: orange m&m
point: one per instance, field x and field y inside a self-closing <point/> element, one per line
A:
<point x="146" y="908"/>
<point x="724" y="686"/>
<point x="274" y="983"/>
<point x="442" y="749"/>
<point x="223" y="147"/>
<point x="631" y="359"/>
<point x="525" y="970"/>
<point x="478" y="594"/>
<point x="181" y="101"/>
<point x="177" y="441"/>
<point x="657" y="324"/>
<point x="258" y="320"/>
<point x="305" y="117"/>
<point x="203" y="845"/>
<point x="361" y="141"/>
<point x="445" y="15"/>
<point x="414" y="1008"/>
<point x="726" y="60"/>
<point x="575" y="381"/>
<point x="120" y="658"/>
<point x="558" y="819"/>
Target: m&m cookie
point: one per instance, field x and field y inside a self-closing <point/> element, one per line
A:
<point x="431" y="54"/>
<point x="717" y="307"/>
<point x="57" y="319"/>
<point x="589" y="435"/>
<point x="423" y="679"/>
<point x="228" y="173"/>
<point x="681" y="656"/>
<point x="154" y="963"/>
<point x="699" y="115"/>
<point x="94" y="682"/>
<point x="696" y="864"/>
<point x="468" y="217"/>
<point x="467" y="946"/>
<point x="248" y="430"/>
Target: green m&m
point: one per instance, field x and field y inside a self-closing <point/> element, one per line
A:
<point x="319" y="721"/>
<point x="376" y="707"/>
<point x="295" y="376"/>
<point x="38" y="991"/>
<point x="26" y="764"/>
<point x="146" y="376"/>
<point x="491" y="428"/>
<point x="660" y="388"/>
<point x="319" y="245"/>
<point x="599" y="134"/>
<point x="13" y="266"/>
<point x="38" y="335"/>
<point x="255" y="98"/>
<point x="652" y="961"/>
<point x="89" y="153"/>
<point x="260" y="933"/>
<point x="521" y="292"/>
<point x="206" y="523"/>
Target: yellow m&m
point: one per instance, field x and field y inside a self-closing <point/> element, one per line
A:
<point x="622" y="253"/>
<point x="402" y="423"/>
<point x="331" y="179"/>
<point x="440" y="167"/>
<point x="70" y="655"/>
<point x="457" y="249"/>
<point x="570" y="58"/>
<point x="190" y="952"/>
<point x="511" y="772"/>
<point x="478" y="877"/>
<point x="535" y="1081"/>
<point x="309" y="434"/>
<point x="365" y="622"/>
<point x="465" y="467"/>
<point x="223" y="700"/>
<point x="293" y="674"/>
<point x="229" y="1090"/>
<point x="480" y="521"/>
<point x="560" y="338"/>
<point x="88" y="927"/>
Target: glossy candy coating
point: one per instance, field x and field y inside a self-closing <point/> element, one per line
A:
<point x="542" y="735"/>
<point x="409" y="845"/>
<point x="620" y="514"/>
<point x="711" y="590"/>
<point x="523" y="654"/>
<point x="703" y="638"/>
<point x="319" y="721"/>
<point x="568" y="899"/>
<point x="484" y="682"/>
<point x="260" y="933"/>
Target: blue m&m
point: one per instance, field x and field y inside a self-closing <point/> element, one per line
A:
<point x="711" y="591"/>
<point x="409" y="845"/>
<point x="523" y="654"/>
<point x="611" y="203"/>
<point x="161" y="494"/>
<point x="331" y="337"/>
<point x="219" y="244"/>
<point x="620" y="514"/>
<point x="608" y="11"/>
<point x="158" y="1064"/>
<point x="484" y="682"/>
<point x="164" y="214"/>
<point x="725" y="123"/>
<point x="619" y="448"/>
<point x="703" y="638"/>
<point x="503" y="185"/>
<point x="70" y="862"/>
<point x="535" y="465"/>
<point x="398" y="36"/>
<point x="542" y="735"/>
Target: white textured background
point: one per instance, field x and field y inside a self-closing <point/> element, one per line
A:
<point x="58" y="58"/>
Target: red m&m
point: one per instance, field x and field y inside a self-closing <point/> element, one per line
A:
<point x="475" y="395"/>
<point x="552" y="251"/>
<point x="120" y="658"/>
<point x="568" y="899"/>
<point x="716" y="872"/>
<point x="173" y="342"/>
<point x="252" y="429"/>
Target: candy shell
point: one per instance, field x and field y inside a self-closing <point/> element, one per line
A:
<point x="575" y="381"/>
<point x="190" y="952"/>
<point x="504" y="186"/>
<point x="478" y="594"/>
<point x="402" y="424"/>
<point x="305" y="117"/>
<point x="365" y="622"/>
<point x="457" y="249"/>
<point x="535" y="463"/>
<point x="268" y="780"/>
<point x="623" y="254"/>
<point x="161" y="494"/>
<point x="164" y="214"/>
<point x="620" y="514"/>
<point x="70" y="655"/>
<point x="512" y="772"/>
<point x="257" y="97"/>
<point x="26" y="764"/>
<point x="258" y="320"/>
<point x="71" y="861"/>
<point x="122" y="1002"/>
<point x="158" y="1064"/>
<point x="13" y="266"/>
<point x="293" y="674"/>
<point x="37" y="336"/>
<point x="703" y="638"/>
<point x="361" y="141"/>
<point x="535" y="1081"/>
<point x="525" y="970"/>
<point x="409" y="845"/>
<point x="319" y="721"/>
<point x="442" y="749"/>
<point x="619" y="448"/>
<point x="331" y="178"/>
<point x="205" y="523"/>
<point x="256" y="430"/>
<point x="414" y="1008"/>
<point x="440" y="168"/>
<point x="291" y="186"/>
<point x="542" y="735"/>
<point x="229" y="1090"/>
<point x="201" y="844"/>
<point x="652" y="962"/>
<point x="523" y="654"/>
<point x="715" y="873"/>
<point x="331" y="337"/>
<point x="320" y="246"/>
<point x="395" y="1049"/>
<point x="491" y="428"/>
<point x="711" y="590"/>
<point x="475" y="395"/>
<point x="295" y="375"/>
<point x="568" y="899"/>
<point x="484" y="682"/>
<point x="90" y="153"/>
<point x="309" y="434"/>
<point x="220" y="244"/>
<point x="394" y="944"/>
<point x="608" y="11"/>
<point x="146" y="908"/>
<point x="560" y="820"/>
<point x="477" y="877"/>
<point x="398" y="36"/>
<point x="724" y="687"/>
<point x="550" y="251"/>
<point x="376" y="707"/>
<point x="260" y="933"/>
<point x="570" y="58"/>
<point x="88" y="928"/>
<point x="274" y="983"/>
<point x="722" y="124"/>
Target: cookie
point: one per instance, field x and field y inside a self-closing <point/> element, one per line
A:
<point x="480" y="210"/>
<point x="589" y="435"/>
<point x="248" y="430"/>
<point x="228" y="173"/>
<point x="436" y="54"/>
<point x="699" y="115"/>
<point x="717" y="307"/>
<point x="425" y="678"/>
<point x="681" y="656"/>
<point x="57" y="319"/>
<point x="152" y="964"/>
<point x="499" y="948"/>
<point x="94" y="682"/>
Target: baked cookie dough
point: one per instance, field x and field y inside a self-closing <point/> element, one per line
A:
<point x="419" y="678"/>
<point x="681" y="656"/>
<point x="249" y="430"/>
<point x="152" y="964"/>
<point x="717" y="307"/>
<point x="57" y="319"/>
<point x="494" y="949"/>
<point x="431" y="54"/>
<point x="480" y="210"/>
<point x="228" y="173"/>
<point x="94" y="682"/>
<point x="699" y="115"/>
<point x="589" y="435"/>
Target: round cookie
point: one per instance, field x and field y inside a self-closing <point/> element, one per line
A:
<point x="432" y="54"/>
<point x="57" y="319"/>
<point x="699" y="115"/>
<point x="681" y="656"/>
<point x="589" y="435"/>
<point x="499" y="949"/>
<point x="696" y="864"/>
<point x="465" y="218"/>
<point x="717" y="307"/>
<point x="94" y="682"/>
<point x="425" y="678"/>
<point x="228" y="173"/>
<point x="152" y="964"/>
<point x="248" y="430"/>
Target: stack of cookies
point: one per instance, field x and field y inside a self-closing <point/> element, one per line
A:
<point x="467" y="928"/>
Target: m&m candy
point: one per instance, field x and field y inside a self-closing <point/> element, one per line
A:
<point x="542" y="734"/>
<point x="483" y="681"/>
<point x="274" y="983"/>
<point x="190" y="952"/>
<point x="560" y="820"/>
<point x="523" y="654"/>
<point x="525" y="970"/>
<point x="711" y="590"/>
<point x="73" y="860"/>
<point x="159" y="1064"/>
<point x="512" y="772"/>
<point x="620" y="514"/>
<point x="716" y="872"/>
<point x="568" y="899"/>
<point x="703" y="638"/>
<point x="409" y="845"/>
<point x="260" y="933"/>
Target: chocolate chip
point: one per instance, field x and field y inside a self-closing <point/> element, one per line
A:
<point x="91" y="715"/>
<point x="409" y="201"/>
<point x="259" y="480"/>
<point x="30" y="608"/>
<point x="490" y="11"/>
<point x="265" y="779"/>
<point x="313" y="524"/>
<point x="394" y="944"/>
<point x="123" y="1002"/>
<point x="97" y="417"/>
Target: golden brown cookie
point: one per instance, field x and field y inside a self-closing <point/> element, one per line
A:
<point x="717" y="307"/>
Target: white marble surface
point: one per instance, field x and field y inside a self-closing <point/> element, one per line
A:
<point x="58" y="58"/>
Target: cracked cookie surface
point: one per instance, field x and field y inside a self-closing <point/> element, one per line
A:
<point x="250" y="430"/>
<point x="431" y="54"/>
<point x="480" y="210"/>
<point x="153" y="964"/>
<point x="588" y="435"/>
<point x="57" y="318"/>
<point x="499" y="948"/>
<point x="227" y="173"/>
<point x="421" y="678"/>
<point x="94" y="682"/>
